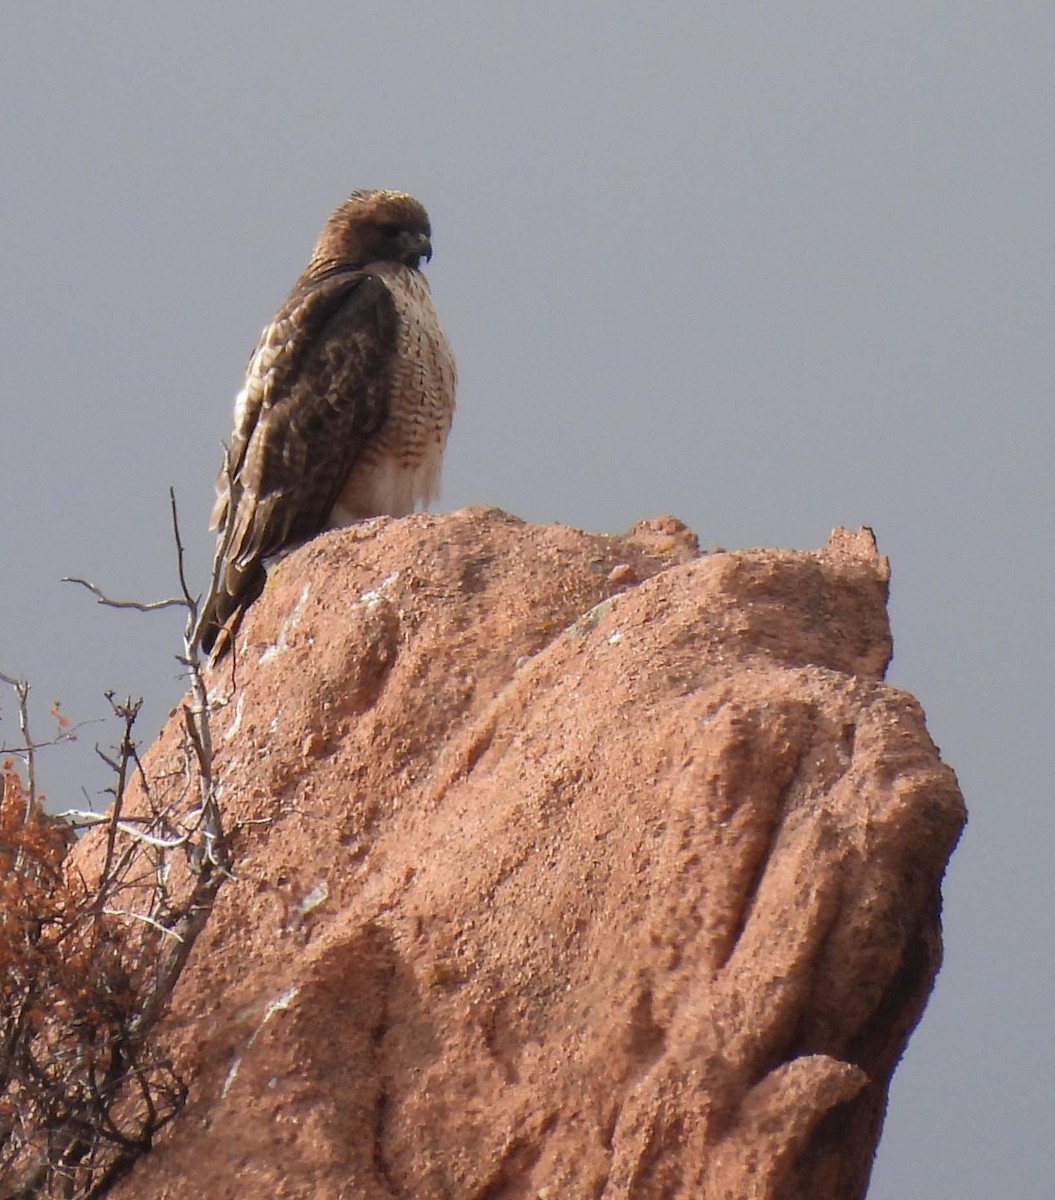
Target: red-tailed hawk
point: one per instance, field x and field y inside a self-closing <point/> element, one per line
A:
<point x="346" y="404"/>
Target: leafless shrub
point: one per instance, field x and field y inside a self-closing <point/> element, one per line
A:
<point x="88" y="965"/>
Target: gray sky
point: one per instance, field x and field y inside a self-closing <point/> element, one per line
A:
<point x="772" y="267"/>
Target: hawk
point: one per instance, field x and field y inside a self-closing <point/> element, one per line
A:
<point x="346" y="405"/>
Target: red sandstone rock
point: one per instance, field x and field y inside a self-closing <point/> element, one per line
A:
<point x="592" y="868"/>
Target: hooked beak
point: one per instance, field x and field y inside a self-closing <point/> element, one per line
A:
<point x="416" y="247"/>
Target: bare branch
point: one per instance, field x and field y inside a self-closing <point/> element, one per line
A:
<point x="21" y="690"/>
<point x="162" y="843"/>
<point x="190" y="600"/>
<point x="137" y="605"/>
<point x="67" y="735"/>
<point x="134" y="916"/>
<point x="128" y="713"/>
<point x="223" y="544"/>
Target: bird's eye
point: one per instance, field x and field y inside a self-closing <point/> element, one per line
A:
<point x="390" y="230"/>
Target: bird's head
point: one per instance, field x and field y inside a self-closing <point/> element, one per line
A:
<point x="373" y="226"/>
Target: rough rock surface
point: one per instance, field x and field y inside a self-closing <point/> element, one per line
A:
<point x="586" y="867"/>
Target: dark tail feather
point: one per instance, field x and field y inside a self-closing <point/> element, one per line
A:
<point x="222" y="611"/>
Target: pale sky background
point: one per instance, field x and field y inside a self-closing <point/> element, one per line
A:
<point x="771" y="267"/>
